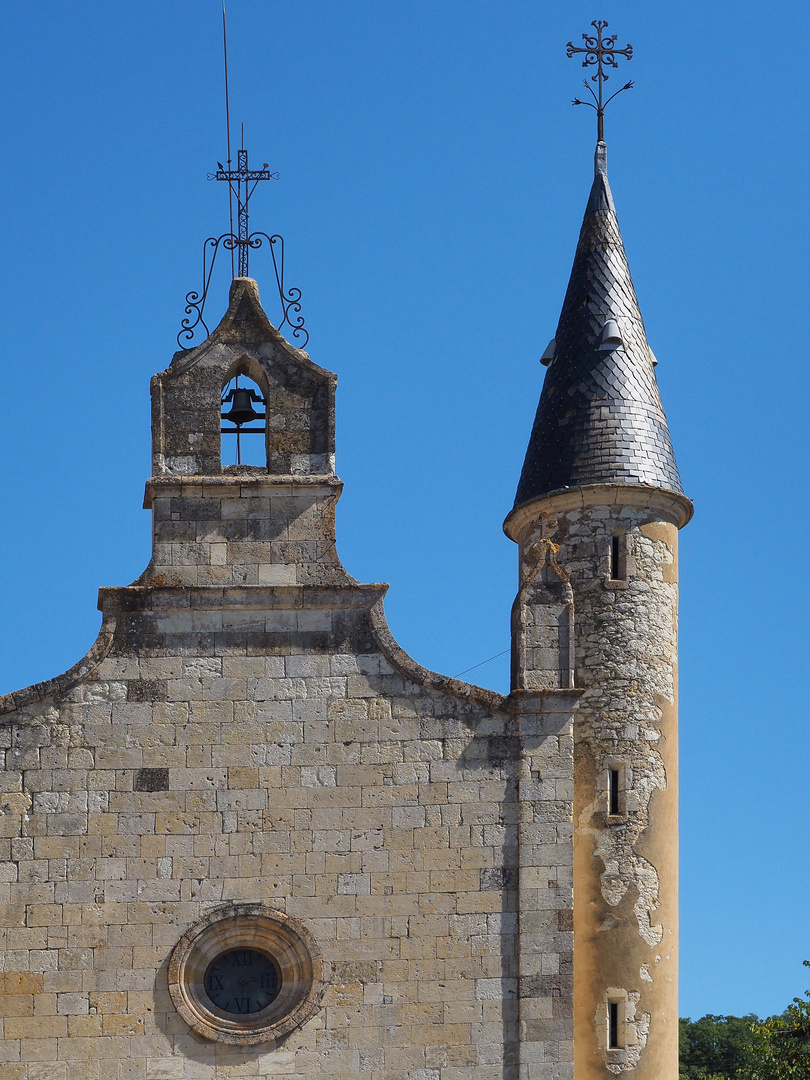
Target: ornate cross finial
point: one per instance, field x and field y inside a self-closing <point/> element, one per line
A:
<point x="242" y="182"/>
<point x="602" y="52"/>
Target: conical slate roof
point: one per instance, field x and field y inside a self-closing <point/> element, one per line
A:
<point x="600" y="418"/>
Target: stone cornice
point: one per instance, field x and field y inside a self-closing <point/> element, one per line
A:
<point x="238" y="485"/>
<point x="674" y="507"/>
<point x="271" y="597"/>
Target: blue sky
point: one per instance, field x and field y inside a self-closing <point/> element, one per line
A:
<point x="433" y="177"/>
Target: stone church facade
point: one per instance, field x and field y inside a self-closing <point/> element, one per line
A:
<point x="248" y="836"/>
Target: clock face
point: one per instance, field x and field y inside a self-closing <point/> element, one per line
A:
<point x="242" y="981"/>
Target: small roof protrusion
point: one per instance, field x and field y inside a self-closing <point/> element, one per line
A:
<point x="611" y="337"/>
<point x="550" y="353"/>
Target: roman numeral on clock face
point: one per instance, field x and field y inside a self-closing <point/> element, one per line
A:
<point x="242" y="981"/>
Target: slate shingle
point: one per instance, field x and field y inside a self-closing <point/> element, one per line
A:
<point x="600" y="418"/>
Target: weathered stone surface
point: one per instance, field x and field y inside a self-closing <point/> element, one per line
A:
<point x="246" y="731"/>
<point x="441" y="883"/>
<point x="625" y="863"/>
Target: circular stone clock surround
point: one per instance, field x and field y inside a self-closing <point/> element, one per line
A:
<point x="247" y="928"/>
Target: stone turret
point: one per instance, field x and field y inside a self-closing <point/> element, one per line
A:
<point x="596" y="518"/>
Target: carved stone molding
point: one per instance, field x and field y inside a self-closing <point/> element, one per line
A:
<point x="257" y="928"/>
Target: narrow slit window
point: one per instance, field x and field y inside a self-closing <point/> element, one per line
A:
<point x="616" y="560"/>
<point x="613" y="1025"/>
<point x="613" y="792"/>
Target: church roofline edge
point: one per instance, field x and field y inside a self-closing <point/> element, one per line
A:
<point x="243" y="291"/>
<point x="59" y="685"/>
<point x="114" y="600"/>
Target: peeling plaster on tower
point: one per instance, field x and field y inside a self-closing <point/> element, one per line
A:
<point x="600" y="466"/>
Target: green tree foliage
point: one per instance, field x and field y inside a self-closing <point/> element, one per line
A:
<point x="716" y="1047"/>
<point x="781" y="1049"/>
<point x="747" y="1048"/>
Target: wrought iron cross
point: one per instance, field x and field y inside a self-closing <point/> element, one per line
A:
<point x="602" y="52"/>
<point x="242" y="182"/>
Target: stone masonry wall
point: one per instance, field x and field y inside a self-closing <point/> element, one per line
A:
<point x="321" y="782"/>
<point x="244" y="529"/>
<point x="245" y="732"/>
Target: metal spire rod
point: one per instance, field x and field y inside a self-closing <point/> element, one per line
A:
<point x="602" y="52"/>
<point x="228" y="123"/>
<point x="239" y="179"/>
<point x="241" y="183"/>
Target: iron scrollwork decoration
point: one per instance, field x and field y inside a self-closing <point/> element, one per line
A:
<point x="290" y="298"/>
<point x="601" y="51"/>
<point x="242" y="182"/>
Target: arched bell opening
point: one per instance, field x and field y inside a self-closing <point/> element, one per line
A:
<point x="243" y="411"/>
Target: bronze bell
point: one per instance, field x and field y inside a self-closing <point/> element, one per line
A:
<point x="242" y="411"/>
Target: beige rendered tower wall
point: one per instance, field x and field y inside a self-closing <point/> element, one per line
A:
<point x="599" y="505"/>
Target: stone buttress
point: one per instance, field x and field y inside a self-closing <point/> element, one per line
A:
<point x="596" y="519"/>
<point x="245" y="760"/>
